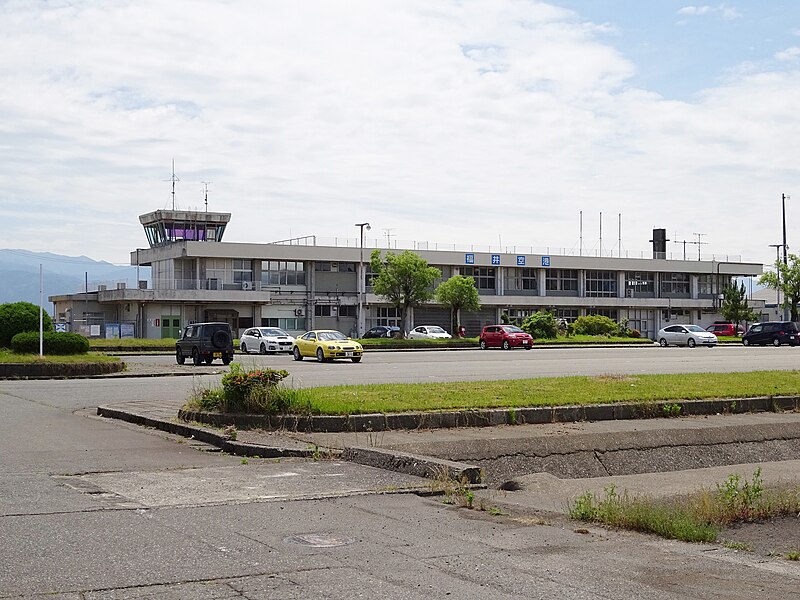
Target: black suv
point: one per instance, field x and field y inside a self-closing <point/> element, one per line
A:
<point x="205" y="342"/>
<point x="772" y="332"/>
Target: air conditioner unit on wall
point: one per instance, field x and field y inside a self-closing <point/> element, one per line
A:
<point x="298" y="312"/>
<point x="247" y="285"/>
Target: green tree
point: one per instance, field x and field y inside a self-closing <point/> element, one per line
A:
<point x="404" y="279"/>
<point x="734" y="305"/>
<point x="20" y="317"/>
<point x="459" y="293"/>
<point x="786" y="278"/>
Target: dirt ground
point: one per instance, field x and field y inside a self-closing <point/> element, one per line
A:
<point x="776" y="537"/>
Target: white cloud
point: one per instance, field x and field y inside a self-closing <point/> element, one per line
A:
<point x="788" y="55"/>
<point x="728" y="13"/>
<point x="453" y="121"/>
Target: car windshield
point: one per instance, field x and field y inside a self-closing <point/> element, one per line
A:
<point x="272" y="331"/>
<point x="512" y="329"/>
<point x="331" y="336"/>
<point x="694" y="328"/>
<point x="435" y="330"/>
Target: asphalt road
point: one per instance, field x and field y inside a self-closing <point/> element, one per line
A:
<point x="477" y="365"/>
<point x="97" y="509"/>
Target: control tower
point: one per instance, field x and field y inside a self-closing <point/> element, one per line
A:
<point x="166" y="226"/>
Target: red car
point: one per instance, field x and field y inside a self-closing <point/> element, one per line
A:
<point x="727" y="329"/>
<point x="505" y="337"/>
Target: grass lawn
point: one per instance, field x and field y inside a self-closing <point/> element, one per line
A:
<point x="6" y="356"/>
<point x="547" y="391"/>
<point x="592" y="339"/>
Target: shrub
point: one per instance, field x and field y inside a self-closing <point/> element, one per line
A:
<point x="595" y="325"/>
<point x="54" y="343"/>
<point x="257" y="391"/>
<point x="541" y="325"/>
<point x="19" y="317"/>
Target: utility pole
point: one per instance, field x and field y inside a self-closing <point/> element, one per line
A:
<point x="778" y="270"/>
<point x="784" y="197"/>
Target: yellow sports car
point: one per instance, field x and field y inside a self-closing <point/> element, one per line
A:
<point x="326" y="344"/>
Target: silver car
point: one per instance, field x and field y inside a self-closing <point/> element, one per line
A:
<point x="685" y="335"/>
<point x="428" y="332"/>
<point x="266" y="340"/>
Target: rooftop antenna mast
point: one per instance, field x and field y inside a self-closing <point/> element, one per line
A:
<point x="699" y="243"/>
<point x="173" y="179"/>
<point x="205" y="187"/>
<point x="389" y="235"/>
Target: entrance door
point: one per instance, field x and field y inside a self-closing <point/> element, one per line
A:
<point x="170" y="326"/>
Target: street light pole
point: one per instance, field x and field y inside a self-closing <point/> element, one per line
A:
<point x="361" y="287"/>
<point x="785" y="247"/>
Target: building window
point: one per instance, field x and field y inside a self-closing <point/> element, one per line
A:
<point x="483" y="276"/>
<point x="710" y="285"/>
<point x="640" y="284"/>
<point x="336" y="267"/>
<point x="520" y="280"/>
<point x="348" y="310"/>
<point x="601" y="284"/>
<point x="561" y="280"/>
<point x="675" y="284"/>
<point x="570" y="315"/>
<point x="242" y="270"/>
<point x="389" y="316"/>
<point x="283" y="272"/>
<point x="287" y="324"/>
<point x="322" y="310"/>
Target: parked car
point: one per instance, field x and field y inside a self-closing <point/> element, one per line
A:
<point x="505" y="337"/>
<point x="266" y="340"/>
<point x="725" y="329"/>
<point x="685" y="335"/>
<point x="428" y="332"/>
<point x="205" y="342"/>
<point x="326" y="344"/>
<point x="381" y="331"/>
<point x="772" y="332"/>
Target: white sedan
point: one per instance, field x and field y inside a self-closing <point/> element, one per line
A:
<point x="428" y="332"/>
<point x="686" y="335"/>
<point x="266" y="340"/>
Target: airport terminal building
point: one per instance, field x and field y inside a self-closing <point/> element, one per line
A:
<point x="300" y="284"/>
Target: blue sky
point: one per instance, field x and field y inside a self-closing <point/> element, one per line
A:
<point x="457" y="121"/>
<point x="680" y="48"/>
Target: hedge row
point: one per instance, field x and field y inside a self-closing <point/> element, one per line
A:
<point x="54" y="343"/>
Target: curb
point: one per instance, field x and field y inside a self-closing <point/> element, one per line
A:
<point x="493" y="417"/>
<point x="54" y="370"/>
<point x="401" y="462"/>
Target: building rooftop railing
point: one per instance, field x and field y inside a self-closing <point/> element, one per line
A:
<point x="614" y="252"/>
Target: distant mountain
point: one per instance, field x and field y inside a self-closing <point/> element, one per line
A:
<point x="19" y="275"/>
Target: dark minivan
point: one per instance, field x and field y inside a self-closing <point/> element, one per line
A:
<point x="772" y="332"/>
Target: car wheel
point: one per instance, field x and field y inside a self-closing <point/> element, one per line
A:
<point x="506" y="345"/>
<point x="745" y="342"/>
<point x="662" y="342"/>
<point x="244" y="348"/>
<point x="196" y="359"/>
<point x="263" y="349"/>
<point x="776" y="342"/>
<point x="483" y="344"/>
<point x="356" y="359"/>
<point x="691" y="343"/>
<point x="179" y="357"/>
<point x="320" y="355"/>
<point x="227" y="358"/>
<point x="296" y="353"/>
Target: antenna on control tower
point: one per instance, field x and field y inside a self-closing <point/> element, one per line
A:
<point x="173" y="179"/>
<point x="205" y="187"/>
